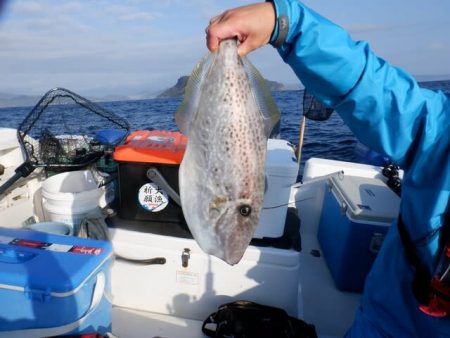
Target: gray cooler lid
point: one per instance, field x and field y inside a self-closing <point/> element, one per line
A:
<point x="366" y="199"/>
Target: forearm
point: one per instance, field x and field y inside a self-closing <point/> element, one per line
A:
<point x="382" y="105"/>
<point x="315" y="48"/>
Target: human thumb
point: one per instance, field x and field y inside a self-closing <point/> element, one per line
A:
<point x="245" y="47"/>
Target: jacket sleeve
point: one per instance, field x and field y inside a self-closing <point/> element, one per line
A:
<point x="382" y="104"/>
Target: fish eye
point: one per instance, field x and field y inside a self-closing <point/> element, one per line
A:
<point x="245" y="210"/>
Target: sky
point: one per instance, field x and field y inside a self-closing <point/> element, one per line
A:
<point x="102" y="47"/>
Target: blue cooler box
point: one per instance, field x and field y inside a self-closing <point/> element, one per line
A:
<point x="356" y="215"/>
<point x="53" y="285"/>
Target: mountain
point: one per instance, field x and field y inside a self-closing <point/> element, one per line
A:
<point x="428" y="78"/>
<point x="179" y="87"/>
<point x="12" y="100"/>
<point x="18" y="100"/>
<point x="275" y="86"/>
<point x="109" y="98"/>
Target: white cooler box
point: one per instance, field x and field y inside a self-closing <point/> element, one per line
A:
<point x="264" y="275"/>
<point x="356" y="215"/>
<point x="281" y="174"/>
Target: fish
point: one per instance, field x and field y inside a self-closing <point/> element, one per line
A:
<point x="227" y="114"/>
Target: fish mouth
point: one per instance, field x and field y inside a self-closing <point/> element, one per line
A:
<point x="234" y="258"/>
<point x="228" y="253"/>
<point x="217" y="242"/>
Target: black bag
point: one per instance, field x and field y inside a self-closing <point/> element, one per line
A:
<point x="244" y="319"/>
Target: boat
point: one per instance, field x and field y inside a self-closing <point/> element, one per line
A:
<point x="172" y="296"/>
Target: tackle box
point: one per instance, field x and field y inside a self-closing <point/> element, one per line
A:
<point x="141" y="198"/>
<point x="52" y="285"/>
<point x="356" y="215"/>
<point x="148" y="176"/>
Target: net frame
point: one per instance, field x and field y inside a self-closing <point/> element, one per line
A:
<point x="75" y="146"/>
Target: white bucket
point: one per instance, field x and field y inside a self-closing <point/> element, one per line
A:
<point x="56" y="228"/>
<point x="69" y="197"/>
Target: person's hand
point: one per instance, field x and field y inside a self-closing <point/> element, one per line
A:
<point x="252" y="25"/>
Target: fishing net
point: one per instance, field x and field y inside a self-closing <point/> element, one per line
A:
<point x="60" y="131"/>
<point x="313" y="109"/>
<point x="65" y="131"/>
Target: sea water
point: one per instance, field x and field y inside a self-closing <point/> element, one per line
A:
<point x="330" y="139"/>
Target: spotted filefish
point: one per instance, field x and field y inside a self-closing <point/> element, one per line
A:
<point x="227" y="114"/>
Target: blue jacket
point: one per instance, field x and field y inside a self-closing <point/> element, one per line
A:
<point x="390" y="113"/>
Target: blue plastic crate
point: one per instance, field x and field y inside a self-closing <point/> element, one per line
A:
<point x="356" y="215"/>
<point x="53" y="285"/>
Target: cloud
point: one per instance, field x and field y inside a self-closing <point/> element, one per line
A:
<point x="138" y="16"/>
<point x="131" y="13"/>
<point x="27" y="7"/>
<point x="34" y="61"/>
<point x="71" y="7"/>
<point x="56" y="25"/>
<point x="439" y="46"/>
<point x="119" y="45"/>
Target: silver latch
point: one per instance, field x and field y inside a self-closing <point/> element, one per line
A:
<point x="185" y="257"/>
<point x="343" y="208"/>
<point x="375" y="242"/>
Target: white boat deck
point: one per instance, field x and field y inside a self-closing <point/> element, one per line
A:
<point x="138" y="324"/>
<point x="129" y="323"/>
<point x="319" y="302"/>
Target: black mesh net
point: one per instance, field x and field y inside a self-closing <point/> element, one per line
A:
<point x="62" y="131"/>
<point x="313" y="109"/>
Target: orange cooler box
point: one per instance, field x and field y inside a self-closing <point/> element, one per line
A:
<point x="148" y="176"/>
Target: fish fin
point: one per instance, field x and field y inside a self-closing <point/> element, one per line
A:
<point x="263" y="97"/>
<point x="187" y="109"/>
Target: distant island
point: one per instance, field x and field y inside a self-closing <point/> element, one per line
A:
<point x="179" y="87"/>
<point x="12" y="100"/>
<point x="23" y="100"/>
